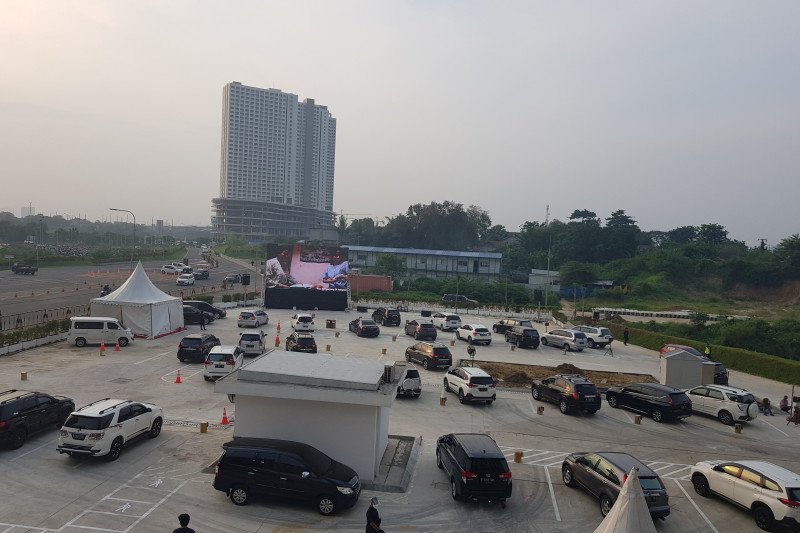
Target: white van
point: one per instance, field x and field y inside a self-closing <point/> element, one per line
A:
<point x="85" y="330"/>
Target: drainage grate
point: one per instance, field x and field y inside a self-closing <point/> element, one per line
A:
<point x="121" y="380"/>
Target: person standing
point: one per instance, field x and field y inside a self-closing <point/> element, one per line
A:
<point x="707" y="351"/>
<point x="625" y="336"/>
<point x="203" y="322"/>
<point x="373" y="518"/>
<point x="183" y="519"/>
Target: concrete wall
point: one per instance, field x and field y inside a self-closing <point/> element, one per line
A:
<point x="347" y="433"/>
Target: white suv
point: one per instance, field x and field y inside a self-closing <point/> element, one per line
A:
<point x="474" y="333"/>
<point x="446" y="321"/>
<point x="728" y="404"/>
<point x="302" y="322"/>
<point x="170" y="269"/>
<point x="596" y="336"/>
<point x="104" y="427"/>
<point x="221" y="361"/>
<point x="470" y="383"/>
<point x="770" y="492"/>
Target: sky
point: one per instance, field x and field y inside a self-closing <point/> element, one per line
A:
<point x="679" y="113"/>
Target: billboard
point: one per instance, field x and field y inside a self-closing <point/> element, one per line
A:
<point x="306" y="266"/>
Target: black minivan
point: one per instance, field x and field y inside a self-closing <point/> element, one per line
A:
<point x="285" y="469"/>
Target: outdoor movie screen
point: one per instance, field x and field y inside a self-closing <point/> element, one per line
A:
<point x="308" y="266"/>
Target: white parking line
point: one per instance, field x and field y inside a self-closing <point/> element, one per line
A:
<point x="553" y="494"/>
<point x="776" y="429"/>
<point x="666" y="465"/>
<point x="537" y="461"/>
<point x="672" y="473"/>
<point x="33" y="450"/>
<point x="154" y="357"/>
<point x="715" y="530"/>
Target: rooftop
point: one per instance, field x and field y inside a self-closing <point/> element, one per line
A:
<point x="314" y="370"/>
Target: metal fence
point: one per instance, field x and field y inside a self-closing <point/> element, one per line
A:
<point x="41" y="316"/>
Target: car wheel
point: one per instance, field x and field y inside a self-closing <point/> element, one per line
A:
<point x="563" y="407"/>
<point x="494" y="328"/>
<point x="488" y="343"/>
<point x="454" y="489"/>
<point x="605" y="504"/>
<point x="536" y="394"/>
<point x="725" y="417"/>
<point x="239" y="495"/>
<point x="425" y="364"/>
<point x="544" y="341"/>
<point x="326" y="506"/>
<point x="155" y="429"/>
<point x="123" y="341"/>
<point x="763" y="517"/>
<point x="439" y="459"/>
<point x="80" y="342"/>
<point x="612" y="401"/>
<point x="461" y="397"/>
<point x="566" y="475"/>
<point x="116" y="449"/>
<point x="18" y="438"/>
<point x="566" y="347"/>
<point x="206" y="378"/>
<point x="658" y="415"/>
<point x="701" y="485"/>
<point x="590" y="343"/>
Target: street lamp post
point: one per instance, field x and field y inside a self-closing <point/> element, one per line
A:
<point x="134" y="228"/>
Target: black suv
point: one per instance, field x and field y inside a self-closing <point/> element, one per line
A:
<point x="285" y="469"/>
<point x="507" y="323"/>
<point x="23" y="413"/>
<point x="430" y="355"/>
<point x="301" y="342"/>
<point x="523" y="337"/>
<point x="192" y="315"/>
<point x="195" y="347"/>
<point x="420" y="330"/>
<point x="218" y="312"/>
<point x="475" y="465"/>
<point x="570" y="391"/>
<point x="659" y="401"/>
<point x="386" y="316"/>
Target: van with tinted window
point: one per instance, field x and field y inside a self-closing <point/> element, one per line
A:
<point x="85" y="330"/>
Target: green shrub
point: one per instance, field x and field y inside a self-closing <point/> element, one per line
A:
<point x="33" y="332"/>
<point x="226" y="298"/>
<point x="209" y="299"/>
<point x="236" y="296"/>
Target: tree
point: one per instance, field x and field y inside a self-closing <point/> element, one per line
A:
<point x="712" y="234"/>
<point x="341" y="227"/>
<point x="584" y="216"/>
<point x="682" y="235"/>
<point x="698" y="319"/>
<point x="619" y="219"/>
<point x="390" y="265"/>
<point x="574" y="272"/>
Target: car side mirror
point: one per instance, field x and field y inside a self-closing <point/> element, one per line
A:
<point x="306" y="475"/>
<point x="148" y="410"/>
<point x="717" y="468"/>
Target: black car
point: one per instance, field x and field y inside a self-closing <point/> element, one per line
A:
<point x="192" y="315"/>
<point x="218" y="312"/>
<point x="232" y="278"/>
<point x="363" y="327"/>
<point x="285" y="469"/>
<point x="430" y="355"/>
<point x="386" y="316"/>
<point x="569" y="391"/>
<point x="196" y="346"/>
<point x="523" y="337"/>
<point x="201" y="273"/>
<point x="301" y="342"/>
<point x="658" y="401"/>
<point x="506" y="324"/>
<point x="420" y="330"/>
<point x="476" y="467"/>
<point x="602" y="474"/>
<point x="23" y="413"/>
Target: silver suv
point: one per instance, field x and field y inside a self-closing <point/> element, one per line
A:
<point x="596" y="336"/>
<point x="567" y="339"/>
<point x="728" y="404"/>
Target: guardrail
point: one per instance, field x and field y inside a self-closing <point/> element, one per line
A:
<point x="41" y="316"/>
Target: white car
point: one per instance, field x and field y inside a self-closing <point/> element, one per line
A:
<point x="596" y="337"/>
<point x="302" y="322"/>
<point x="106" y="426"/>
<point x="470" y="383"/>
<point x="771" y="493"/>
<point x="474" y="334"/>
<point x="185" y="279"/>
<point x="221" y="361"/>
<point x="253" y="342"/>
<point x="252" y="318"/>
<point x="728" y="404"/>
<point x="446" y="321"/>
<point x="170" y="269"/>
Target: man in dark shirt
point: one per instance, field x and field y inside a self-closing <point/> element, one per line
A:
<point x="373" y="518"/>
<point x="184" y="521"/>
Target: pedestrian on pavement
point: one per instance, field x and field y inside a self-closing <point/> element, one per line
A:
<point x="767" y="407"/>
<point x="373" y="518"/>
<point x="183" y="519"/>
<point x="203" y="324"/>
<point x="625" y="336"/>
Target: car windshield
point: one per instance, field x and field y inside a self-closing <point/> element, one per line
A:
<point x="586" y="388"/>
<point x="190" y="342"/>
<point x="742" y="398"/>
<point x="650" y="483"/>
<point x="441" y="351"/>
<point x="426" y="325"/>
<point x="530" y="333"/>
<point x="245" y="316"/>
<point x="88" y="422"/>
<point x="412" y="374"/>
<point x="452" y="318"/>
<point x="525" y="323"/>
<point x="481" y="380"/>
<point x="250" y="337"/>
<point x="481" y="330"/>
<point x="368" y="323"/>
<point x="488" y="466"/>
<point x="318" y="462"/>
<point x="220" y="357"/>
<point x="392" y="313"/>
<point x="719" y="367"/>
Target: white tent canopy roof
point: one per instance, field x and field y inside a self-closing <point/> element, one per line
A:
<point x="630" y="513"/>
<point x="137" y="289"/>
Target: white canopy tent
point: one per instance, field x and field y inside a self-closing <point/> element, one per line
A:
<point x="141" y="306"/>
<point x="630" y="513"/>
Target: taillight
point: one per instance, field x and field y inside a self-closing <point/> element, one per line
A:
<point x="624" y="478"/>
<point x="492" y="385"/>
<point x="206" y="362"/>
<point x="466" y="474"/>
<point x="575" y="396"/>
<point x="789" y="503"/>
<point x="2" y="424"/>
<point x="505" y="475"/>
<point x="231" y="363"/>
<point x="471" y="385"/>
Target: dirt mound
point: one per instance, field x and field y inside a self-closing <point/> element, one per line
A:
<point x="567" y="368"/>
<point x="517" y="378"/>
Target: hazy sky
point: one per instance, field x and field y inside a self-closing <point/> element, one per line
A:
<point x="677" y="112"/>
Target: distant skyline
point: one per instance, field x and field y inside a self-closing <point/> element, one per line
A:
<point x="680" y="114"/>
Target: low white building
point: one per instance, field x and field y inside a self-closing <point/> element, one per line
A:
<point x="338" y="405"/>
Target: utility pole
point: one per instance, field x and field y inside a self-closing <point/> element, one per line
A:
<point x="549" y="246"/>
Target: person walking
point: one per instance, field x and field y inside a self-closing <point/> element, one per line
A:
<point x="373" y="518"/>
<point x="183" y="519"/>
<point x="767" y="405"/>
<point x="625" y="336"/>
<point x="203" y="323"/>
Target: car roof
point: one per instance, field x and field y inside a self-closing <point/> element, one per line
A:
<point x="224" y="349"/>
<point x="13" y="394"/>
<point x="275" y="444"/>
<point x="302" y="314"/>
<point x="475" y="371"/>
<point x="774" y="472"/>
<point x="575" y="378"/>
<point x="658" y="386"/>
<point x="625" y="462"/>
<point x="725" y="388"/>
<point x="478" y="445"/>
<point x="102" y="407"/>
<point x="474" y="326"/>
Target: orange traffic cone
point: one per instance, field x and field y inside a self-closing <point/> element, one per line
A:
<point x="224" y="421"/>
<point x="178" y="377"/>
<point x="279" y="326"/>
<point x="116" y="348"/>
<point x="277" y="340"/>
<point x="102" y="347"/>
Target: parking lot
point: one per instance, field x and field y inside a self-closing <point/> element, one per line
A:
<point x="155" y="480"/>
